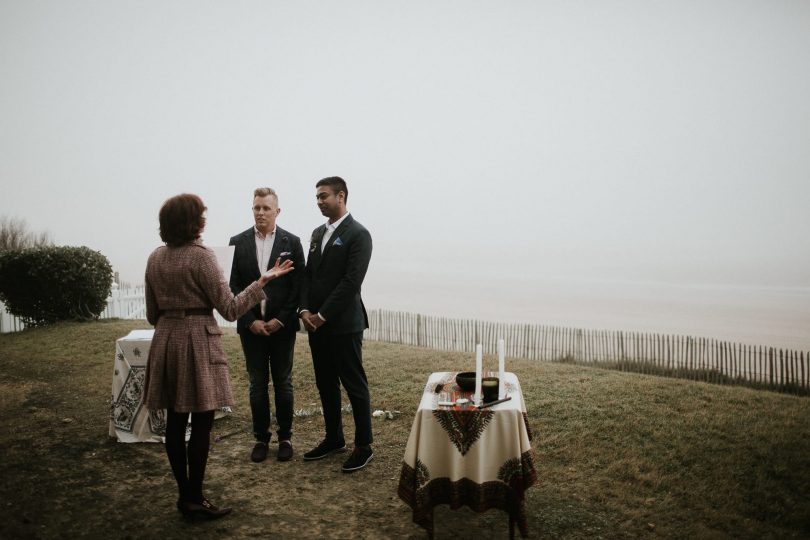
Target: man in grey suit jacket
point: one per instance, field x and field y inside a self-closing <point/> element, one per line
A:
<point x="335" y="317"/>
<point x="267" y="331"/>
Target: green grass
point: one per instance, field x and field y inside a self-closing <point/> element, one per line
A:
<point x="619" y="455"/>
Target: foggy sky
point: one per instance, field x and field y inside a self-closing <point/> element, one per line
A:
<point x="630" y="140"/>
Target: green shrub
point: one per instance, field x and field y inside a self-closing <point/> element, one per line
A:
<point x="43" y="285"/>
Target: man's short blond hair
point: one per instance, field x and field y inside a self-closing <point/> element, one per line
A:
<point x="264" y="192"/>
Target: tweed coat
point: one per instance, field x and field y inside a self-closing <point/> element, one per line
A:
<point x="187" y="369"/>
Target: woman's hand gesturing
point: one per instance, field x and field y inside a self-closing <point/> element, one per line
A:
<point x="278" y="270"/>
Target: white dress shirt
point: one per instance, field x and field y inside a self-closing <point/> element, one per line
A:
<point x="330" y="229"/>
<point x="264" y="247"/>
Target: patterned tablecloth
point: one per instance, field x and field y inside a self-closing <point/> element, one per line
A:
<point x="461" y="455"/>
<point x="130" y="421"/>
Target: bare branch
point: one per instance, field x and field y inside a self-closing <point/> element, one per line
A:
<point x="14" y="234"/>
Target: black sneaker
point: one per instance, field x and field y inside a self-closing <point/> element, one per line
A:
<point x="360" y="458"/>
<point x="324" y="449"/>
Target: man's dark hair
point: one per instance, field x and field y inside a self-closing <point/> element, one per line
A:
<point x="181" y="219"/>
<point x="336" y="184"/>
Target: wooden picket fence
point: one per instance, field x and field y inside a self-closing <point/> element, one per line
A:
<point x="687" y="357"/>
<point x="696" y="358"/>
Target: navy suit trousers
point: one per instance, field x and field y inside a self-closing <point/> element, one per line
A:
<point x="338" y="359"/>
<point x="266" y="357"/>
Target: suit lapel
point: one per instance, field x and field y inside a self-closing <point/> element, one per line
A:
<point x="335" y="235"/>
<point x="315" y="245"/>
<point x="249" y="252"/>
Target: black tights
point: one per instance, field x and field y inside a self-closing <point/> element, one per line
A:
<point x="189" y="480"/>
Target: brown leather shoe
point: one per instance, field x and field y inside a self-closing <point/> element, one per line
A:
<point x="285" y="451"/>
<point x="206" y="510"/>
<point x="259" y="452"/>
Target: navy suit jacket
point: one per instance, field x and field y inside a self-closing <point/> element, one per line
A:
<point x="332" y="279"/>
<point x="282" y="293"/>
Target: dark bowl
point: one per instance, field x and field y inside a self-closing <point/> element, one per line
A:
<point x="466" y="381"/>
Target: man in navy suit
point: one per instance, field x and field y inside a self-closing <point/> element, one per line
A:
<point x="334" y="315"/>
<point x="268" y="330"/>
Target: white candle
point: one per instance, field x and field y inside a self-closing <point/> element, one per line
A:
<point x="501" y="384"/>
<point x="479" y="356"/>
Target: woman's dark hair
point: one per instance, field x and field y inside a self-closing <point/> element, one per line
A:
<point x="181" y="219"/>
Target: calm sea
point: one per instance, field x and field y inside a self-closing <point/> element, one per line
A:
<point x="772" y="316"/>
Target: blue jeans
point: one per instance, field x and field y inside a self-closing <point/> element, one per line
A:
<point x="269" y="357"/>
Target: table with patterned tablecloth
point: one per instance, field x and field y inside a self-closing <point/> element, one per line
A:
<point x="462" y="455"/>
<point x="130" y="421"/>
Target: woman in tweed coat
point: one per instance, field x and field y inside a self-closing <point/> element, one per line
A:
<point x="187" y="370"/>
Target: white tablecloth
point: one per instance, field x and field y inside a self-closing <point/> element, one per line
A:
<point x="461" y="455"/>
